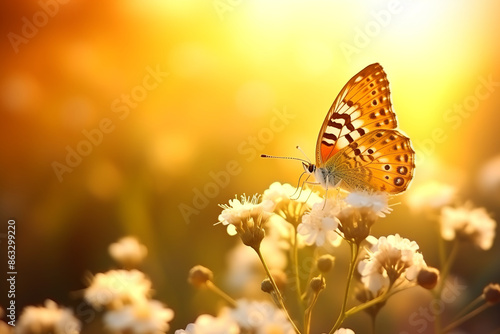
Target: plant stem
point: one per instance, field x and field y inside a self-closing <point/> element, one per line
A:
<point x="296" y="265"/>
<point x="470" y="306"/>
<point x="276" y="290"/>
<point x="350" y="275"/>
<point x="298" y="289"/>
<point x="366" y="305"/>
<point x="466" y="317"/>
<point x="374" y="318"/>
<point x="221" y="293"/>
<point x="308" y="313"/>
<point x="446" y="267"/>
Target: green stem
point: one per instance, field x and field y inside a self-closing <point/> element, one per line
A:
<point x="276" y="290"/>
<point x="308" y="314"/>
<point x="466" y="317"/>
<point x="379" y="299"/>
<point x="369" y="304"/>
<point x="350" y="275"/>
<point x="296" y="266"/>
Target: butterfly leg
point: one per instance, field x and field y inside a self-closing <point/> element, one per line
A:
<point x="326" y="192"/>
<point x="299" y="186"/>
<point x="302" y="187"/>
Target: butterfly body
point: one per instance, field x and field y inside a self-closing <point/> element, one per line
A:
<point x="358" y="147"/>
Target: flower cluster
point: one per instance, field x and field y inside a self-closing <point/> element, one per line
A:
<point x="246" y="317"/>
<point x="125" y="295"/>
<point x="350" y="217"/>
<point x="48" y="319"/>
<point x="319" y="225"/>
<point x="295" y="219"/>
<point x="278" y="230"/>
<point x="469" y="224"/>
<point x="246" y="218"/>
<point x="390" y="259"/>
<point x="128" y="252"/>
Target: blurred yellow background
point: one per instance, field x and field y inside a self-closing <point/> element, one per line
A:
<point x="117" y="115"/>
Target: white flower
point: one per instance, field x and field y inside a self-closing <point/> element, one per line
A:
<point x="470" y="223"/>
<point x="48" y="319"/>
<point x="128" y="251"/>
<point x="344" y="331"/>
<point x="141" y="317"/>
<point x="287" y="208"/>
<point x="116" y="288"/>
<point x="207" y="324"/>
<point x="259" y="317"/>
<point x="238" y="212"/>
<point x="318" y="226"/>
<point x="389" y="259"/>
<point x="376" y="201"/>
<point x="430" y="196"/>
<point x="279" y="193"/>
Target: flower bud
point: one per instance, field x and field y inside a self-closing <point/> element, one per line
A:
<point x="325" y="263"/>
<point x="317" y="284"/>
<point x="491" y="293"/>
<point x="428" y="277"/>
<point x="266" y="286"/>
<point x="199" y="275"/>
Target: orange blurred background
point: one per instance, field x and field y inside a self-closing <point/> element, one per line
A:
<point x="174" y="92"/>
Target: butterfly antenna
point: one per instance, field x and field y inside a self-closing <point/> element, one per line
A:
<point x="301" y="151"/>
<point x="277" y="157"/>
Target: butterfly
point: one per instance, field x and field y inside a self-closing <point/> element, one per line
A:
<point x="358" y="146"/>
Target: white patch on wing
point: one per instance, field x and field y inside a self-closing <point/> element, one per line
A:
<point x="344" y="109"/>
<point x="354" y="135"/>
<point x="331" y="129"/>
<point x="355" y="114"/>
<point x="357" y="123"/>
<point x="342" y="142"/>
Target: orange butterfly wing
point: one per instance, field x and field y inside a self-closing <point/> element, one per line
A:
<point x="382" y="160"/>
<point x="363" y="105"/>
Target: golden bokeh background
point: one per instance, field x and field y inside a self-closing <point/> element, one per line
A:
<point x="175" y="92"/>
